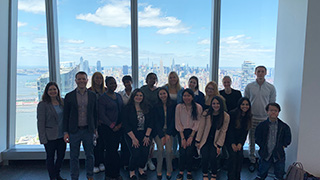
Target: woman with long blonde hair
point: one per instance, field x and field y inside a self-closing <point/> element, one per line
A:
<point x="174" y="87"/>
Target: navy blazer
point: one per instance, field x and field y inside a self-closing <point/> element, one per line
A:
<point x="159" y="120"/>
<point x="70" y="112"/>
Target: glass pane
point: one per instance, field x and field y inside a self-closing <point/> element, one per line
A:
<point x="247" y="39"/>
<point x="95" y="36"/>
<point x="32" y="68"/>
<point x="174" y="36"/>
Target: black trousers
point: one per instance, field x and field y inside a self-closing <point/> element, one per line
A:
<point x="111" y="141"/>
<point x="209" y="158"/>
<point x="124" y="153"/>
<point x="186" y="155"/>
<point x="98" y="150"/>
<point x="52" y="147"/>
<point x="234" y="163"/>
<point x="138" y="156"/>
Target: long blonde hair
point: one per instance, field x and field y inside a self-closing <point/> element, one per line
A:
<point x="93" y="84"/>
<point x="215" y="91"/>
<point x="178" y="86"/>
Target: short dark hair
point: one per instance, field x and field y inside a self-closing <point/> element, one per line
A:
<point x="151" y="74"/>
<point x="273" y="104"/>
<point x="126" y="78"/>
<point x="260" y="67"/>
<point x="108" y="78"/>
<point x="81" y="72"/>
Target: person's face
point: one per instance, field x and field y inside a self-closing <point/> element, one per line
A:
<point x="226" y="83"/>
<point x="192" y="84"/>
<point x="244" y="106"/>
<point x="215" y="105"/>
<point x="173" y="79"/>
<point x="210" y="90"/>
<point x="163" y="95"/>
<point x="152" y="80"/>
<point x="53" y="91"/>
<point x="138" y="97"/>
<point x="260" y="73"/>
<point x="127" y="84"/>
<point x="98" y="79"/>
<point x="112" y="85"/>
<point x="81" y="81"/>
<point x="273" y="112"/>
<point x="187" y="98"/>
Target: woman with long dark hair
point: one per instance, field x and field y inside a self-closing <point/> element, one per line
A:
<point x="164" y="130"/>
<point x="211" y="136"/>
<point x="188" y="116"/>
<point x="50" y="120"/>
<point x="193" y="84"/>
<point x="138" y="126"/>
<point x="110" y="107"/>
<point x="240" y="123"/>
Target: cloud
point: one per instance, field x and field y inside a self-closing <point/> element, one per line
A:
<point x="204" y="41"/>
<point x="117" y="14"/>
<point x="73" y="41"/>
<point x="33" y="6"/>
<point x="20" y="24"/>
<point x="41" y="40"/>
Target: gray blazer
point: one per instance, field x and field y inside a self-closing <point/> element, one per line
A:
<point x="48" y="127"/>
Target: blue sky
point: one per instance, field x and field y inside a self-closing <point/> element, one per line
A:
<point x="179" y="29"/>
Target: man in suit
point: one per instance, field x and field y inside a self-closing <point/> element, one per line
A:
<point x="79" y="124"/>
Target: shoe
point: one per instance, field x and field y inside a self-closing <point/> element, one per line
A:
<point x="134" y="177"/>
<point x="252" y="167"/>
<point x="151" y="166"/>
<point x="101" y="167"/>
<point x="179" y="176"/>
<point x="169" y="177"/>
<point x="96" y="170"/>
<point x="189" y="177"/>
<point x="60" y="178"/>
<point x="159" y="177"/>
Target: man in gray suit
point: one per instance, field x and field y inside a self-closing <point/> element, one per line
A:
<point x="79" y="124"/>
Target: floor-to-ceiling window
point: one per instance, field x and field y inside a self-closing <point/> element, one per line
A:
<point x="174" y="36"/>
<point x="32" y="67"/>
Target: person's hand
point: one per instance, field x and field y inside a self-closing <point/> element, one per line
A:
<point x="239" y="146"/>
<point x="234" y="147"/>
<point x="189" y="141"/>
<point x="163" y="140"/>
<point x="146" y="141"/>
<point x="184" y="143"/>
<point x="135" y="142"/>
<point x="66" y="138"/>
<point x="167" y="138"/>
<point x="218" y="151"/>
<point x="116" y="128"/>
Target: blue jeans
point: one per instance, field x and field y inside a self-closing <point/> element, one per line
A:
<point x="87" y="141"/>
<point x="264" y="167"/>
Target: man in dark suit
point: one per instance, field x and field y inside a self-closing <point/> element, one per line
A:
<point x="79" y="124"/>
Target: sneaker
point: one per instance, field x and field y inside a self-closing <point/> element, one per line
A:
<point x="101" y="167"/>
<point x="189" y="177"/>
<point x="151" y="166"/>
<point x="145" y="167"/>
<point x="96" y="170"/>
<point x="252" y="167"/>
<point x="159" y="177"/>
<point x="179" y="176"/>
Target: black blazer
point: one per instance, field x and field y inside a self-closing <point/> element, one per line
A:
<point x="130" y="120"/>
<point x="159" y="120"/>
<point x="234" y="135"/>
<point x="70" y="112"/>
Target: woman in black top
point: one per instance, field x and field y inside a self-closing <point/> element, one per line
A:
<point x="164" y="130"/>
<point x="138" y="126"/>
<point x="240" y="123"/>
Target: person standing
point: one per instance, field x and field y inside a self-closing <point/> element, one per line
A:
<point x="272" y="136"/>
<point x="79" y="124"/>
<point x="50" y="118"/>
<point x="231" y="95"/>
<point x="260" y="93"/>
<point x="193" y="84"/>
<point x="240" y="123"/>
<point x="110" y="106"/>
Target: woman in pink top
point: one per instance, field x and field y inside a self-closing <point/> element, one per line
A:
<point x="188" y="116"/>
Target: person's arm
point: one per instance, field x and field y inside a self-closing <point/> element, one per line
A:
<point x="103" y="105"/>
<point x="199" y="118"/>
<point x="273" y="95"/>
<point x="126" y="118"/>
<point x="258" y="135"/>
<point x="247" y="92"/>
<point x="41" y="116"/>
<point x="223" y="131"/>
<point x="287" y="136"/>
<point x="178" y="124"/>
<point x="146" y="139"/>
<point x="66" y="117"/>
<point x="171" y="119"/>
<point x="135" y="141"/>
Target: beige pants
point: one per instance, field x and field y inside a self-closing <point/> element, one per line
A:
<point x="160" y="154"/>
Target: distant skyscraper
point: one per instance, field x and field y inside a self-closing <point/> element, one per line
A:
<point x="81" y="64"/>
<point x="86" y="67"/>
<point x="99" y="69"/>
<point x="125" y="70"/>
<point x="161" y="68"/>
<point x="172" y="65"/>
<point x="247" y="73"/>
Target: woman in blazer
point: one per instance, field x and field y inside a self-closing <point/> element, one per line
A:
<point x="164" y="130"/>
<point x="211" y="136"/>
<point x="50" y="128"/>
<point x="138" y="126"/>
<point x="240" y="123"/>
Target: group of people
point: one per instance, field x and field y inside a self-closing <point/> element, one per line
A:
<point x="200" y="123"/>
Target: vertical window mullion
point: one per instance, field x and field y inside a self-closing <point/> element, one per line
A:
<point x="215" y="40"/>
